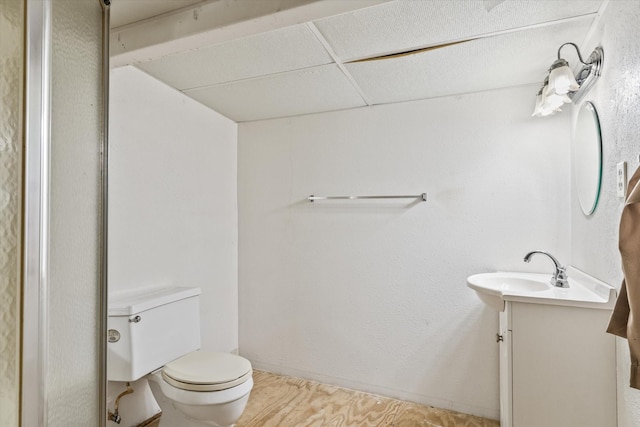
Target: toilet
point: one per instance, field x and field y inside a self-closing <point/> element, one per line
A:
<point x="155" y="334"/>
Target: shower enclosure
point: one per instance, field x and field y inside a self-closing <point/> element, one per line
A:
<point x="53" y="153"/>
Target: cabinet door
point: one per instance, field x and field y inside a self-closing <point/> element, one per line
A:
<point x="563" y="367"/>
<point x="504" y="335"/>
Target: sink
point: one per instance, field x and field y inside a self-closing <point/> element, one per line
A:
<point x="494" y="289"/>
<point x="508" y="282"/>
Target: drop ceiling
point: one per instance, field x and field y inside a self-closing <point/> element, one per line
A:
<point x="389" y="51"/>
<point x="126" y="12"/>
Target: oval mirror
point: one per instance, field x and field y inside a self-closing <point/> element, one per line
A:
<point x="587" y="157"/>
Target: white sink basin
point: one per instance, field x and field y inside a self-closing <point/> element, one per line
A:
<point x="583" y="291"/>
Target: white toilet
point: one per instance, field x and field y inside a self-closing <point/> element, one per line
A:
<point x="155" y="333"/>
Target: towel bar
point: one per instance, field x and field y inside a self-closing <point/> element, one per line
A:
<point x="422" y="196"/>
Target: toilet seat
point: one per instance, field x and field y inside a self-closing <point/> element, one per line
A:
<point x="187" y="397"/>
<point x="207" y="371"/>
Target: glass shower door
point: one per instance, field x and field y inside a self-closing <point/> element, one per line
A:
<point x="11" y="66"/>
<point x="63" y="339"/>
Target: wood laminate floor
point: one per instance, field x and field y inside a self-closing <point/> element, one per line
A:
<point x="281" y="401"/>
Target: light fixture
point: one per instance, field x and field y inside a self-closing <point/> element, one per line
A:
<point x="562" y="87"/>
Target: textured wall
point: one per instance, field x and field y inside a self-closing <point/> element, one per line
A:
<point x="172" y="207"/>
<point x="11" y="57"/>
<point x="372" y="295"/>
<point x="594" y="239"/>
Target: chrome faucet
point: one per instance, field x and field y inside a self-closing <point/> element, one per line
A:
<point x="559" y="277"/>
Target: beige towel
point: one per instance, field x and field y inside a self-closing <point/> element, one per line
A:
<point x="625" y="320"/>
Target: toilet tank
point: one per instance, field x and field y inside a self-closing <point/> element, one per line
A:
<point x="149" y="328"/>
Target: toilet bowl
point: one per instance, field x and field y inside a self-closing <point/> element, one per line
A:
<point x="207" y="387"/>
<point x="155" y="334"/>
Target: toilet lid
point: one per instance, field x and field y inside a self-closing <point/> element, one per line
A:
<point x="207" y="371"/>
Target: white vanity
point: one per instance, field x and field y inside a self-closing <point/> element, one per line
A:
<point x="557" y="363"/>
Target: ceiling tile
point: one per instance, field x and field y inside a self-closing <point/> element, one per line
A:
<point x="323" y="88"/>
<point x="409" y="24"/>
<point x="488" y="63"/>
<point x="285" y="49"/>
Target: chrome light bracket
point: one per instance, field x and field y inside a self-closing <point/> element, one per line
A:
<point x="588" y="74"/>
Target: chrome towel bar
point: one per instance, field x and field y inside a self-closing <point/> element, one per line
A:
<point x="313" y="198"/>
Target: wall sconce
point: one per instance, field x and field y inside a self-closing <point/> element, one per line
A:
<point x="562" y="87"/>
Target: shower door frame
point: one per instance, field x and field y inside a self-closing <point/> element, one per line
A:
<point x="36" y="211"/>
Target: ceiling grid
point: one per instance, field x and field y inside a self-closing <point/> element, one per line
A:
<point x="338" y="62"/>
<point x="318" y="65"/>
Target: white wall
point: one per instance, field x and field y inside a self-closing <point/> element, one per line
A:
<point x="172" y="211"/>
<point x="172" y="199"/>
<point x="594" y="239"/>
<point x="372" y="295"/>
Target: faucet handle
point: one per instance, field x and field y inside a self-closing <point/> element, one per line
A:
<point x="559" y="279"/>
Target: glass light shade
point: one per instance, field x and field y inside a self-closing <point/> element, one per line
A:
<point x="545" y="113"/>
<point x="537" y="110"/>
<point x="550" y="102"/>
<point x="555" y="99"/>
<point x="548" y="110"/>
<point x="561" y="78"/>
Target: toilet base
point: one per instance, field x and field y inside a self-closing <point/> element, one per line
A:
<point x="192" y="415"/>
<point x="224" y="415"/>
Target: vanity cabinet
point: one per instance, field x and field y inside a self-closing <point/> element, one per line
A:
<point x="557" y="366"/>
